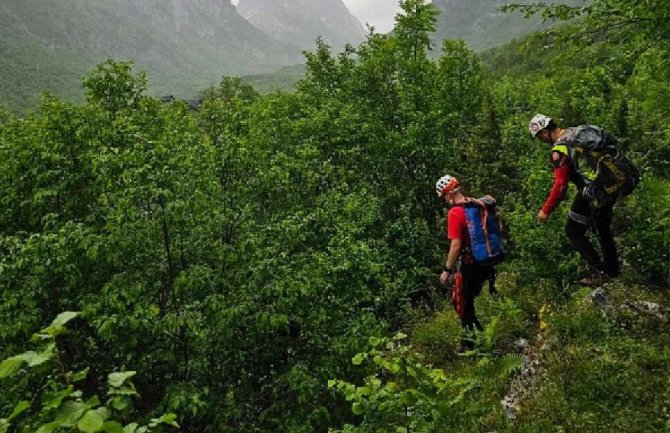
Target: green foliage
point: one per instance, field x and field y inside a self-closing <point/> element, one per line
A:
<point x="482" y="25"/>
<point x="613" y="360"/>
<point x="282" y="79"/>
<point x="234" y="260"/>
<point x="63" y="406"/>
<point x="628" y="21"/>
<point x="29" y="67"/>
<point x="405" y="393"/>
<point x="648" y="246"/>
<point x="112" y="85"/>
<point x="49" y="46"/>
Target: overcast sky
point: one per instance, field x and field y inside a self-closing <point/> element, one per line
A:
<point x="378" y="13"/>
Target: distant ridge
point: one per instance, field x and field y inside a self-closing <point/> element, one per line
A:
<point x="299" y="22"/>
<point x="481" y="25"/>
<point x="184" y="45"/>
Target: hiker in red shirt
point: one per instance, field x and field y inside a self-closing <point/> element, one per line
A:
<point x="573" y="164"/>
<point x="469" y="277"/>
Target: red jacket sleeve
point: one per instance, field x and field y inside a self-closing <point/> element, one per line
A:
<point x="557" y="194"/>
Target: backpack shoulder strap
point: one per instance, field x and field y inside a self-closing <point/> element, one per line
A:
<point x="488" y="201"/>
<point x="470" y="201"/>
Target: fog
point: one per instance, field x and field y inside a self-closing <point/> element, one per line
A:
<point x="377" y="13"/>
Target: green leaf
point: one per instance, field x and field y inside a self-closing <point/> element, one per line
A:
<point x="81" y="375"/>
<point x="120" y="403"/>
<point x="168" y="418"/>
<point x="394" y="367"/>
<point x="130" y="428"/>
<point x="22" y="406"/>
<point x="117" y="379"/>
<point x="57" y="327"/>
<point x="357" y="408"/>
<point x="55" y="400"/>
<point x="112" y="427"/>
<point x="64" y="317"/>
<point x="358" y="359"/>
<point x="375" y="341"/>
<point x="10" y="366"/>
<point x="93" y="420"/>
<point x="48" y="428"/>
<point x="4" y="425"/>
<point x="38" y="338"/>
<point x="124" y="390"/>
<point x="69" y="413"/>
<point x="363" y="391"/>
<point x="34" y="359"/>
<point x="93" y="402"/>
<point x="400" y="336"/>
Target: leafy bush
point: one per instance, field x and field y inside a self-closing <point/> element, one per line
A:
<point x="58" y="401"/>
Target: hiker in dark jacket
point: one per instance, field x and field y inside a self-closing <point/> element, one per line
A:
<point x="469" y="277"/>
<point x="572" y="163"/>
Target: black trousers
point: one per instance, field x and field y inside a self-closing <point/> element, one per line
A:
<point x="580" y="219"/>
<point x="473" y="279"/>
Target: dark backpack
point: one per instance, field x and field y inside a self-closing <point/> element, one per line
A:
<point x="484" y="230"/>
<point x="616" y="176"/>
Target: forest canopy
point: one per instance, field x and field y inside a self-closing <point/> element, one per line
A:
<point x="269" y="263"/>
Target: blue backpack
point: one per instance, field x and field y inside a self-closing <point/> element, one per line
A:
<point x="484" y="229"/>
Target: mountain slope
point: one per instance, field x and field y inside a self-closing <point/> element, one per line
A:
<point x="299" y="22"/>
<point x="185" y="45"/>
<point x="482" y="25"/>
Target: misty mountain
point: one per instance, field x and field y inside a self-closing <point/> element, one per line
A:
<point x="299" y="22"/>
<point x="482" y="25"/>
<point x="184" y="45"/>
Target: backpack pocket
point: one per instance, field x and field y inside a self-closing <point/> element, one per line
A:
<point x="616" y="177"/>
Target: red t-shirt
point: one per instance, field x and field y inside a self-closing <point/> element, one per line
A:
<point x="457" y="226"/>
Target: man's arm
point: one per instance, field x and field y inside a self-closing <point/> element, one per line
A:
<point x="454" y="251"/>
<point x="560" y="187"/>
<point x="452" y="257"/>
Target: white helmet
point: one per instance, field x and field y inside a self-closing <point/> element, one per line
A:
<point x="447" y="184"/>
<point x="538" y="123"/>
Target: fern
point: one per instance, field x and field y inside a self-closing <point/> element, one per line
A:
<point x="494" y="372"/>
<point x="509" y="363"/>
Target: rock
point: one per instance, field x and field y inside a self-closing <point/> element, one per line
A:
<point x="650" y="308"/>
<point x="599" y="298"/>
<point x="520" y="344"/>
<point x="530" y="375"/>
<point x="509" y="406"/>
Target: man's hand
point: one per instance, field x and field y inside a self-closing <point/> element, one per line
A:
<point x="444" y="277"/>
<point x="542" y="217"/>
